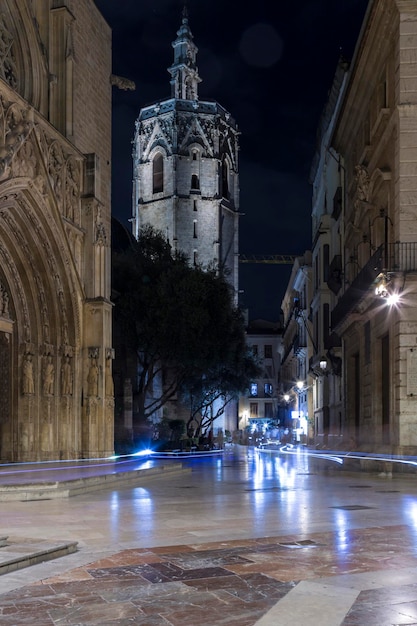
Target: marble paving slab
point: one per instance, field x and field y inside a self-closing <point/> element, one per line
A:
<point x="369" y="579"/>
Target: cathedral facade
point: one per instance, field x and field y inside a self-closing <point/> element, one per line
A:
<point x="56" y="391"/>
<point x="185" y="168"/>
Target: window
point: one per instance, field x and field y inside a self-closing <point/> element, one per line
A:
<point x="195" y="257"/>
<point x="195" y="205"/>
<point x="268" y="351"/>
<point x="91" y="172"/>
<point x="253" y="409"/>
<point x="225" y="179"/>
<point x="367" y="330"/>
<point x="326" y="255"/>
<point x="195" y="229"/>
<point x="269" y="410"/>
<point x="194" y="155"/>
<point x="268" y="389"/>
<point x="254" y="389"/>
<point x="316" y="329"/>
<point x="158" y="173"/>
<point x="195" y="183"/>
<point x="326" y="323"/>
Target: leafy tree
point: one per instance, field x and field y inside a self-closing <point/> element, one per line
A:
<point x="180" y="323"/>
<point x="208" y="392"/>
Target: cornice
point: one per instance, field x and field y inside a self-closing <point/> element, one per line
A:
<point x="406" y="6"/>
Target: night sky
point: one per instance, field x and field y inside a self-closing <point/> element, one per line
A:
<point x="270" y="63"/>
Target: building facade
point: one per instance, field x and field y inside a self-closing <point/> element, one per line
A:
<point x="185" y="168"/>
<point x="56" y="393"/>
<point x="295" y="379"/>
<point x="259" y="408"/>
<point x="371" y="230"/>
<point x="325" y="363"/>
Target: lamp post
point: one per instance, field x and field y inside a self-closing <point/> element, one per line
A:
<point x="299" y="386"/>
<point x="286" y="398"/>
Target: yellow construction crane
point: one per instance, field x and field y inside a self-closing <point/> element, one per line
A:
<point x="277" y="259"/>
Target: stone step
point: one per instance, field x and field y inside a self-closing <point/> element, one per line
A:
<point x="19" y="553"/>
<point x="24" y="492"/>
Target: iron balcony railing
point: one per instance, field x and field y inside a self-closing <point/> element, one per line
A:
<point x="390" y="258"/>
<point x="401" y="257"/>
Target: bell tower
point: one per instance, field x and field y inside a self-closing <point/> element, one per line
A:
<point x="185" y="168"/>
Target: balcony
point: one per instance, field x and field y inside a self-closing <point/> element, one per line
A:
<point x="391" y="258"/>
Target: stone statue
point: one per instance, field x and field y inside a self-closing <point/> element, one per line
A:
<point x="49" y="377"/>
<point x="66" y="377"/>
<point x="362" y="182"/>
<point x="92" y="378"/>
<point x="28" y="382"/>
<point x="109" y="378"/>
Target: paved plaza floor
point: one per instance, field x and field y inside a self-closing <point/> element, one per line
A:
<point x="247" y="539"/>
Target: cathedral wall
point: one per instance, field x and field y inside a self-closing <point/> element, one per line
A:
<point x="55" y="312"/>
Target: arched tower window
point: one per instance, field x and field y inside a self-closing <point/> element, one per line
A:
<point x="225" y="179"/>
<point x="158" y="173"/>
<point x="195" y="183"/>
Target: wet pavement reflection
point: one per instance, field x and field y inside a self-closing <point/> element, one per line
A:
<point x="245" y="538"/>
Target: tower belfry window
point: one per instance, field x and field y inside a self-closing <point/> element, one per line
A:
<point x="195" y="183"/>
<point x="158" y="173"/>
<point x="195" y="229"/>
<point x="225" y="179"/>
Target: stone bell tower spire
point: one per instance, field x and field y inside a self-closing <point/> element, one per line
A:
<point x="186" y="171"/>
<point x="184" y="71"/>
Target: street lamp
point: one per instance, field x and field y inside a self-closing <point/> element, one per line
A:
<point x="385" y="288"/>
<point x="286" y="397"/>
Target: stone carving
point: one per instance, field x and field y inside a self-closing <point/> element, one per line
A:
<point x="7" y="59"/>
<point x="26" y="164"/>
<point x="43" y="308"/>
<point x="15" y="131"/>
<point x="101" y="234"/>
<point x="48" y="377"/>
<point x="92" y="378"/>
<point x="28" y="379"/>
<point x="6" y="258"/>
<point x="66" y="376"/>
<point x="108" y="378"/>
<point x="71" y="191"/>
<point x="55" y="168"/>
<point x="122" y="83"/>
<point x="4" y="302"/>
<point x="362" y="184"/>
